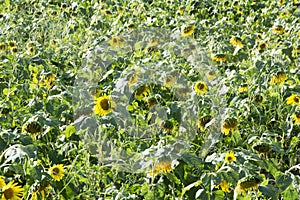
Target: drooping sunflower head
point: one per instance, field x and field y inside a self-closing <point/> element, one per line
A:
<point x="258" y="98"/>
<point x="32" y="127"/>
<point x="57" y="172"/>
<point x="187" y="31"/>
<point x="248" y="183"/>
<point x="104" y="105"/>
<point x="230" y="157"/>
<point x="203" y="121"/>
<point x="229" y="125"/>
<point x="200" y="88"/>
<point x="219" y="57"/>
<point x="278" y="29"/>
<point x="167" y="126"/>
<point x="117" y="41"/>
<point x="142" y="92"/>
<point x="133" y="79"/>
<point x="261" y="147"/>
<point x="12" y="191"/>
<point x="169" y="81"/>
<point x="293" y="100"/>
<point x="236" y="41"/>
<point x="161" y="167"/>
<point x="278" y="78"/>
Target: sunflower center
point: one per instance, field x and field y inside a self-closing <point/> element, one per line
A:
<point x="200" y="86"/>
<point x="296" y="99"/>
<point x="8" y="193"/>
<point x="105" y="104"/>
<point x="229" y="158"/>
<point x="55" y="171"/>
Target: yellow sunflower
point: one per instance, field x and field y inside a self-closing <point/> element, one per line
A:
<point x="14" y="50"/>
<point x="219" y="57"/>
<point x="2" y="182"/>
<point x="278" y="30"/>
<point x="201" y="88"/>
<point x="142" y="92"/>
<point x="229" y="125"/>
<point x="279" y="78"/>
<point x="230" y="157"/>
<point x="188" y="31"/>
<point x="203" y="121"/>
<point x="296" y="118"/>
<point x="2" y="47"/>
<point x="12" y="44"/>
<point x="133" y="79"/>
<point x="262" y="46"/>
<point x="235" y="41"/>
<point x="224" y="186"/>
<point x="116" y="42"/>
<point x="49" y="80"/>
<point x="169" y="81"/>
<point x="293" y="100"/>
<point x="57" y="172"/>
<point x="104" y="105"/>
<point x="12" y="191"/>
<point x="161" y="167"/>
<point x="243" y="89"/>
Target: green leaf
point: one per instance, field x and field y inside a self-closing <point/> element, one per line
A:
<point x="283" y="181"/>
<point x="291" y="194"/>
<point x="268" y="191"/>
<point x="70" y="130"/>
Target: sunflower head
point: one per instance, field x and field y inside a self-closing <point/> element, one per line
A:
<point x="236" y="41"/>
<point x="248" y="183"/>
<point x="117" y="41"/>
<point x="169" y="81"/>
<point x="229" y="125"/>
<point x="187" y="31"/>
<point x="167" y="126"/>
<point x="104" y="105"/>
<point x="261" y="147"/>
<point x="219" y="57"/>
<point x="161" y="167"/>
<point x="293" y="100"/>
<point x="32" y="127"/>
<point x="262" y="46"/>
<point x="224" y="186"/>
<point x="203" y="121"/>
<point x="14" y="50"/>
<point x="133" y="79"/>
<point x="230" y="157"/>
<point x="57" y="172"/>
<point x="258" y="99"/>
<point x="278" y="78"/>
<point x="142" y="92"/>
<point x="12" y="191"/>
<point x="2" y="47"/>
<point x="278" y="29"/>
<point x="201" y="88"/>
<point x="12" y="44"/>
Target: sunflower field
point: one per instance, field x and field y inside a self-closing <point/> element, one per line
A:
<point x="150" y="100"/>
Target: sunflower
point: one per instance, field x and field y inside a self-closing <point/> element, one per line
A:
<point x="261" y="147"/>
<point x="180" y="10"/>
<point x="200" y="88"/>
<point x="12" y="44"/>
<point x="219" y="57"/>
<point x="169" y="81"/>
<point x="247" y="184"/>
<point x="262" y="46"/>
<point x="224" y="186"/>
<point x="49" y="80"/>
<point x="116" y="42"/>
<point x="258" y="99"/>
<point x="14" y="50"/>
<point x="243" y="89"/>
<point x="278" y="30"/>
<point x="2" y="47"/>
<point x="2" y="182"/>
<point x="57" y="172"/>
<point x="32" y="127"/>
<point x="11" y="191"/>
<point x="142" y="92"/>
<point x="31" y="50"/>
<point x="133" y="79"/>
<point x="279" y="78"/>
<point x="235" y="41"/>
<point x="167" y="126"/>
<point x="296" y="118"/>
<point x="104" y="105"/>
<point x="229" y="125"/>
<point x="188" y="31"/>
<point x="203" y="121"/>
<point x="293" y="100"/>
<point x="230" y="157"/>
<point x="161" y="167"/>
